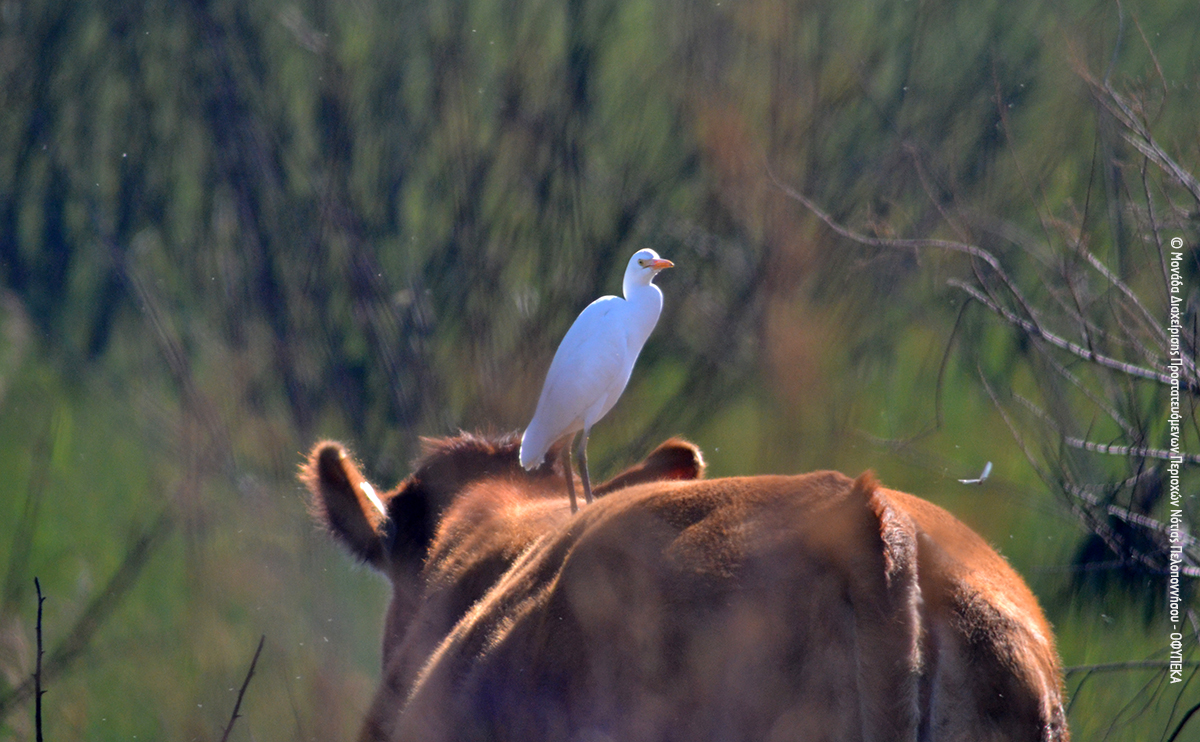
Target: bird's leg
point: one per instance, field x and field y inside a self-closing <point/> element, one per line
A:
<point x="565" y="456"/>
<point x="583" y="472"/>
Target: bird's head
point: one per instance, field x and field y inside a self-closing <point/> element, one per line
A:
<point x="644" y="266"/>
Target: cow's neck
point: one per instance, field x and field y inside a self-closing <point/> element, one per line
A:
<point x="480" y="536"/>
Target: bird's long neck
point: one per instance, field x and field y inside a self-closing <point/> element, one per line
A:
<point x="645" y="304"/>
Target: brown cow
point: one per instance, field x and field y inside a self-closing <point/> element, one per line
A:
<point x="811" y="607"/>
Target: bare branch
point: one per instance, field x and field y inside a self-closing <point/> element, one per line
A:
<point x="1183" y="722"/>
<point x="1074" y="348"/>
<point x="1083" y="493"/>
<point x="1145" y="144"/>
<point x="96" y="612"/>
<point x="1012" y="428"/>
<point x="1123" y="666"/>
<point x="1095" y="524"/>
<point x="1139" y="136"/>
<point x="1141" y="451"/>
<point x="37" y="673"/>
<point x="238" y="704"/>
<point x="1108" y="409"/>
<point x="1108" y="333"/>
<point x="906" y="244"/>
<point x="1113" y="486"/>
<point x="910" y="244"/>
<point x="1129" y="516"/>
<point x="1121" y="286"/>
<point x="1031" y="327"/>
<point x="923" y="176"/>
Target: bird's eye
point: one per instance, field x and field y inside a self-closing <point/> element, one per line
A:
<point x="641" y="262"/>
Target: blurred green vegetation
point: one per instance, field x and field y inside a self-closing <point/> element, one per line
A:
<point x="229" y="229"/>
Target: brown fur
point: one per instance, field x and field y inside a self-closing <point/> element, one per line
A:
<point x="673" y="608"/>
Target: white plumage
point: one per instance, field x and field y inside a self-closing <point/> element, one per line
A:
<point x="592" y="366"/>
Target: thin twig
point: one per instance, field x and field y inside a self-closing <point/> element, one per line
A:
<point x="1139" y="136"/>
<point x="1074" y="348"/>
<point x="1030" y="326"/>
<point x="1110" y="487"/>
<point x="1095" y="524"/>
<point x="1109" y="410"/>
<point x="96" y="613"/>
<point x="923" y="176"/>
<point x="37" y="672"/>
<point x="1122" y="666"/>
<point x="1105" y="448"/>
<point x="1138" y="519"/>
<point x="1142" y="451"/>
<point x="1182" y="722"/>
<point x="1123" y="287"/>
<point x="862" y="239"/>
<point x="1035" y="194"/>
<point x="1155" y="229"/>
<point x="238" y="704"/>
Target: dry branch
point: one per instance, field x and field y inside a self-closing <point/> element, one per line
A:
<point x="1114" y="333"/>
<point x="238" y="704"/>
<point x="1124" y="666"/>
<point x="1076" y="349"/>
<point x="37" y="673"/>
<point x="96" y="612"/>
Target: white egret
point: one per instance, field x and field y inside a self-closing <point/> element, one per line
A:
<point x="592" y="367"/>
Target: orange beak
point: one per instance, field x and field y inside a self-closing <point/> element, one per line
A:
<point x="660" y="263"/>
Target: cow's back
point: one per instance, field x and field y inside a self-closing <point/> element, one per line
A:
<point x="753" y="608"/>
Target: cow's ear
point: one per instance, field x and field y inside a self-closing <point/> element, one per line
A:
<point x="344" y="502"/>
<point x="673" y="459"/>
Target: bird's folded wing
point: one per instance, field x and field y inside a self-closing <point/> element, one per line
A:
<point x="591" y="356"/>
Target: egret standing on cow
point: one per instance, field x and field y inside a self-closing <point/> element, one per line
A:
<point x="592" y="367"/>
